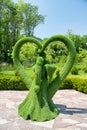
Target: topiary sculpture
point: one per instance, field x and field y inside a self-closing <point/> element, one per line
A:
<point x="38" y="104"/>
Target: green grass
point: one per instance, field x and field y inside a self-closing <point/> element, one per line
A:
<point x="13" y="72"/>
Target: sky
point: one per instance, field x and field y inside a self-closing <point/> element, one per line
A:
<point x="61" y="16"/>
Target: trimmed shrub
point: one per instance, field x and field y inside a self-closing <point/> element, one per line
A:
<point x="85" y="69"/>
<point x="74" y="70"/>
<point x="67" y="84"/>
<point x="11" y="83"/>
<point x="71" y="82"/>
<point x="75" y="82"/>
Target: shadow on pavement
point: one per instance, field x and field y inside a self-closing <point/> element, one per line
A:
<point x="67" y="110"/>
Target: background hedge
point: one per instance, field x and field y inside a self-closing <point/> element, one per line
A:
<point x="78" y="83"/>
<point x="71" y="82"/>
<point x="11" y="83"/>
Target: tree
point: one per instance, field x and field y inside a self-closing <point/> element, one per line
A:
<point x="84" y="41"/>
<point x="31" y="17"/>
<point x="38" y="104"/>
<point x="16" y="19"/>
<point x="75" y="38"/>
<point x="55" y="50"/>
<point x="4" y="26"/>
<point x="27" y="56"/>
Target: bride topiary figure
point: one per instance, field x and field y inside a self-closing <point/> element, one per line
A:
<point x="38" y="105"/>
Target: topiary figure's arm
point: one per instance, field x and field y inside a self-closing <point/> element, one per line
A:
<point x="38" y="73"/>
<point x="53" y="87"/>
<point x="16" y="59"/>
<point x="50" y="71"/>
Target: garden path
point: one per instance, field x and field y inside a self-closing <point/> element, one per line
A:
<point x="72" y="105"/>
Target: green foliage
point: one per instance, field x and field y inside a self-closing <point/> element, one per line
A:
<point x="82" y="61"/>
<point x="38" y="104"/>
<point x="81" y="55"/>
<point x="31" y="17"/>
<point x="67" y="84"/>
<point x="11" y="83"/>
<point x="5" y="66"/>
<point x="27" y="54"/>
<point x="55" y="51"/>
<point x="74" y="70"/>
<point x="71" y="82"/>
<point x="14" y="19"/>
<point x="84" y="42"/>
<point x="85" y="68"/>
<point x="75" y="38"/>
<point x="75" y="82"/>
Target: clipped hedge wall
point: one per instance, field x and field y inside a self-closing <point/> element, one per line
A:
<point x="11" y="83"/>
<point x="75" y="82"/>
<point x="15" y="83"/>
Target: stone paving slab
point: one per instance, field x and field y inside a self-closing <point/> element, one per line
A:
<point x="72" y="105"/>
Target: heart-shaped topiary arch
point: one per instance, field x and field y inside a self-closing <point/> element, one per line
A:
<point x="38" y="104"/>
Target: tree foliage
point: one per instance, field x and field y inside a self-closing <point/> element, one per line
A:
<point x="27" y="54"/>
<point x="79" y="41"/>
<point x="55" y="51"/>
<point x="84" y="42"/>
<point x="16" y="19"/>
<point x="75" y="38"/>
<point x="31" y="17"/>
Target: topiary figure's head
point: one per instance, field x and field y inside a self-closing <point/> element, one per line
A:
<point x="40" y="61"/>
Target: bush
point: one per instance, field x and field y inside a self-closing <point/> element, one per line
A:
<point x="67" y="84"/>
<point x="85" y="69"/>
<point x="74" y="70"/>
<point x="71" y="82"/>
<point x="11" y="83"/>
<point x="6" y="66"/>
<point x="76" y="82"/>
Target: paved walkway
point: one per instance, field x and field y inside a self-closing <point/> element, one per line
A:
<point x="72" y="105"/>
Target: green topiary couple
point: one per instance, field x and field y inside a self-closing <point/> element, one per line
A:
<point x="38" y="105"/>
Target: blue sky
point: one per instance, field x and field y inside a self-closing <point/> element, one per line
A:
<point x="61" y="15"/>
